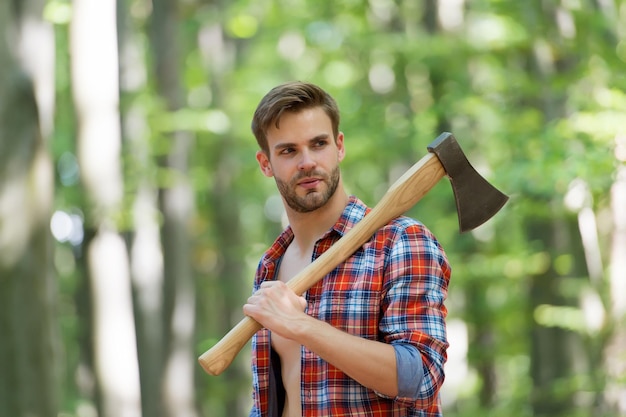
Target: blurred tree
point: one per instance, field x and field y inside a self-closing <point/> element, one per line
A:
<point x="29" y="350"/>
<point x="95" y="90"/>
<point x="614" y="358"/>
<point x="176" y="203"/>
<point x="142" y="220"/>
<point x="553" y="348"/>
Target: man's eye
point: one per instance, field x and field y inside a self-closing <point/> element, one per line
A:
<point x="286" y="151"/>
<point x="321" y="143"/>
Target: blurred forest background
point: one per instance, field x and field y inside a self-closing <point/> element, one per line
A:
<point x="132" y="211"/>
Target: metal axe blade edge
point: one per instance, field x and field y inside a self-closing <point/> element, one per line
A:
<point x="476" y="199"/>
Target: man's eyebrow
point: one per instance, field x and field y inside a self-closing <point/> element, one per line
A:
<point x="284" y="145"/>
<point x="318" y="137"/>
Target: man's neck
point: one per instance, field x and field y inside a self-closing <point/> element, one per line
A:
<point x="309" y="227"/>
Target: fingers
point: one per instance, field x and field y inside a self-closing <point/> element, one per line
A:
<point x="276" y="307"/>
<point x="274" y="297"/>
<point x="270" y="284"/>
<point x="268" y="290"/>
<point x="274" y="289"/>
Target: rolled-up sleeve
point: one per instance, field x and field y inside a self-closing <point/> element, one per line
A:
<point x="409" y="369"/>
<point x="413" y="310"/>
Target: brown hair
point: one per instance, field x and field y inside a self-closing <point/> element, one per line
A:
<point x="293" y="97"/>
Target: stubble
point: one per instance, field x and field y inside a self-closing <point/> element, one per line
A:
<point x="314" y="199"/>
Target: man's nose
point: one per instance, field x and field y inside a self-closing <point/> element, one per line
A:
<point x="306" y="161"/>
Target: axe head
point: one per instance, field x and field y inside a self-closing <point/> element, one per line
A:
<point x="476" y="199"/>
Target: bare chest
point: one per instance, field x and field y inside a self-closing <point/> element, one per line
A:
<point x="288" y="350"/>
<point x="290" y="266"/>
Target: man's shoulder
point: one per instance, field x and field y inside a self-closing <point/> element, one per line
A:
<point x="356" y="210"/>
<point x="405" y="225"/>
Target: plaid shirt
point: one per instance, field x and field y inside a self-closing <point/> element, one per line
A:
<point x="392" y="289"/>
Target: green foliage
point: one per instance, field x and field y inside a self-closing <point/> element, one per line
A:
<point x="533" y="91"/>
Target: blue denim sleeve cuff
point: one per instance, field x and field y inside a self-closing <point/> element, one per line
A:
<point x="409" y="368"/>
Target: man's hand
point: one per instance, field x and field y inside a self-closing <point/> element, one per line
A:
<point x="371" y="363"/>
<point x="276" y="307"/>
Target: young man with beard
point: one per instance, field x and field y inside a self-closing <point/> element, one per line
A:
<point x="370" y="338"/>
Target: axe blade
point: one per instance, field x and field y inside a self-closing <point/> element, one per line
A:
<point x="476" y="199"/>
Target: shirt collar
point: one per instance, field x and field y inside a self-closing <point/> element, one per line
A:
<point x="354" y="211"/>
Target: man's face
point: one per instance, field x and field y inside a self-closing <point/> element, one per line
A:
<point x="304" y="159"/>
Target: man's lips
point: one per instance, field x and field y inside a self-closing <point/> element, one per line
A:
<point x="309" y="183"/>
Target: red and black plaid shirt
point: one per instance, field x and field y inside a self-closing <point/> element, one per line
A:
<point x="392" y="290"/>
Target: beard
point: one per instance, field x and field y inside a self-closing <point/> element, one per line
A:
<point x="313" y="199"/>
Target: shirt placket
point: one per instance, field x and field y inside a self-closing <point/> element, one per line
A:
<point x="309" y="373"/>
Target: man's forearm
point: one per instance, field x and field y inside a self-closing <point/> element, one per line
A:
<point x="370" y="363"/>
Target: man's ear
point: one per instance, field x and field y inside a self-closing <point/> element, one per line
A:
<point x="264" y="164"/>
<point x="341" y="150"/>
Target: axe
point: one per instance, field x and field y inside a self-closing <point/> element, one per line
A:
<point x="476" y="202"/>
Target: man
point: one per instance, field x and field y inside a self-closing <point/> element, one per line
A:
<point x="370" y="338"/>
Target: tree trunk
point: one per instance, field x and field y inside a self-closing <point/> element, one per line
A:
<point x="221" y="305"/>
<point x="549" y="345"/>
<point x="95" y="87"/>
<point x="144" y="241"/>
<point x="615" y="360"/>
<point x="232" y="278"/>
<point x="553" y="347"/>
<point x="176" y="203"/>
<point x="28" y="350"/>
<point x="27" y="292"/>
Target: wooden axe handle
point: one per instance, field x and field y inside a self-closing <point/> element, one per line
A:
<point x="400" y="197"/>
